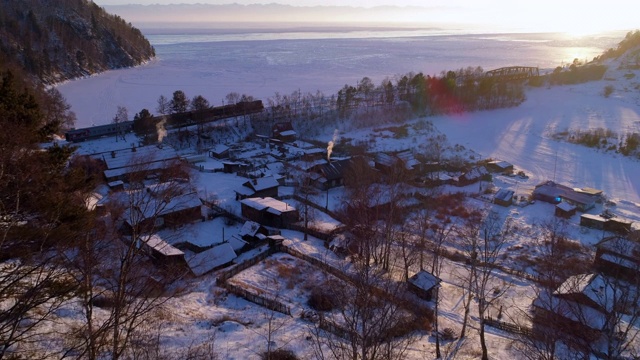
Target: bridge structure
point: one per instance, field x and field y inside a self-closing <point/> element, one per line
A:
<point x="513" y="73"/>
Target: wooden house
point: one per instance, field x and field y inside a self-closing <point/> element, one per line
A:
<point x="554" y="193"/>
<point x="220" y="151"/>
<point x="582" y="303"/>
<point x="565" y="210"/>
<point x="619" y="257"/>
<point x="504" y="197"/>
<point x="501" y="167"/>
<point x="283" y="131"/>
<point x="424" y="284"/>
<point x="259" y="187"/>
<point x="474" y="175"/>
<point x="161" y="252"/>
<point x="331" y="174"/>
<point x="269" y="211"/>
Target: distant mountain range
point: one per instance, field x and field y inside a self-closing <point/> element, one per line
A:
<point x="53" y="41"/>
<point x="275" y="14"/>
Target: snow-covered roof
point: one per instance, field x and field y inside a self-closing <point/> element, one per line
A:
<point x="424" y="280"/>
<point x="208" y="260"/>
<point x="476" y="173"/>
<point x="593" y="286"/>
<point x="219" y="149"/>
<point x="236" y="243"/>
<point x="249" y="228"/>
<point x="571" y="310"/>
<point x="262" y="183"/>
<point x="147" y="206"/>
<point x="619" y="244"/>
<point x="270" y="204"/>
<point x="504" y="195"/>
<point x="501" y="164"/>
<point x="564" y="206"/>
<point x="142" y="155"/>
<point x="156" y="243"/>
<point x="288" y="133"/>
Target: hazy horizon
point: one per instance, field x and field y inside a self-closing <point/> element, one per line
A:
<point x="578" y="18"/>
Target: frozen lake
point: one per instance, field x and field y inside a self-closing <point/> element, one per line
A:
<point x="214" y="63"/>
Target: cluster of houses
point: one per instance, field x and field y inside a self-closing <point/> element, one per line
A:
<point x="589" y="305"/>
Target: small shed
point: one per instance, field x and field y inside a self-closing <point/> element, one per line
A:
<point x="283" y="131"/>
<point x="252" y="231"/>
<point x="565" y="210"/>
<point x="231" y="167"/>
<point x="160" y="251"/>
<point x="423" y="284"/>
<point x="592" y="221"/>
<point x="504" y="197"/>
<point x="219" y="151"/>
<point x="498" y="166"/>
<point x="618" y="225"/>
<point x="473" y="175"/>
<point x="212" y="259"/>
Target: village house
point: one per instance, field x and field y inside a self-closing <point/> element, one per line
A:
<point x="253" y="232"/>
<point x="330" y="174"/>
<point x="401" y="161"/>
<point x="153" y="210"/>
<point x="474" y="175"/>
<point x="501" y="167"/>
<point x="565" y="210"/>
<point x="554" y="193"/>
<point x="140" y="161"/>
<point x="609" y="223"/>
<point x="283" y="131"/>
<point x="161" y="252"/>
<point x="215" y="258"/>
<point x="580" y="305"/>
<point x="504" y="197"/>
<point x="220" y="151"/>
<point x="269" y="211"/>
<point x="618" y="257"/>
<point x="259" y="187"/>
<point x="424" y="284"/>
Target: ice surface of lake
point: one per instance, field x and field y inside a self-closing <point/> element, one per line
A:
<point x="213" y="63"/>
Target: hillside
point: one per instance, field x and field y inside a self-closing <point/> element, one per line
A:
<point x="62" y="40"/>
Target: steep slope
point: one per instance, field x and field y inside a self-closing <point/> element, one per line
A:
<point x="60" y="40"/>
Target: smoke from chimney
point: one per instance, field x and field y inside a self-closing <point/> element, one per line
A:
<point x="331" y="143"/>
<point x="162" y="132"/>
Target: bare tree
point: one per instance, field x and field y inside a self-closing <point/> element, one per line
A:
<point x="372" y="322"/>
<point x="121" y="116"/>
<point x="484" y="243"/>
<point x="113" y="266"/>
<point x="164" y="106"/>
<point x="305" y="191"/>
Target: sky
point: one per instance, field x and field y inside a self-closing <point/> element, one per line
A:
<point x="578" y="17"/>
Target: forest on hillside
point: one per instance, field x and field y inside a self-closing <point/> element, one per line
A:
<point x="60" y="40"/>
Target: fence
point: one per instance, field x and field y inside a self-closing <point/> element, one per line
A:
<point x="271" y="304"/>
<point x="330" y="326"/>
<point x="317" y="262"/>
<point x="226" y="274"/>
<point x="512" y="328"/>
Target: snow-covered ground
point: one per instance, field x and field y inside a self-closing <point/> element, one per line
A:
<point x="520" y="135"/>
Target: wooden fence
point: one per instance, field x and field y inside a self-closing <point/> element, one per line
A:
<point x="271" y="304"/>
<point x="512" y="328"/>
<point x="223" y="276"/>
